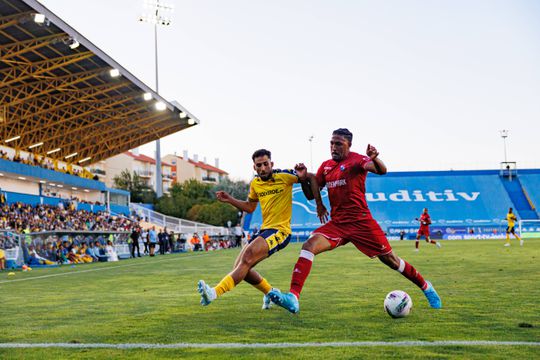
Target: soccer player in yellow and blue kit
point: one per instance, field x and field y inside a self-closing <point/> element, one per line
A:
<point x="273" y="190"/>
<point x="511" y="218"/>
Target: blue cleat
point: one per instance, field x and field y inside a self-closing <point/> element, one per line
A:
<point x="287" y="301"/>
<point x="432" y="297"/>
<point x="207" y="293"/>
<point x="267" y="302"/>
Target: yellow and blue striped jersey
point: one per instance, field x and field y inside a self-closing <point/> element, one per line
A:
<point x="275" y="197"/>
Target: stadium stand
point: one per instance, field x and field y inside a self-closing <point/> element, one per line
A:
<point x="65" y="105"/>
<point x="460" y="202"/>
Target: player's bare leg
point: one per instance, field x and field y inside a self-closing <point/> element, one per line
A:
<point x="250" y="256"/>
<point x="417" y="244"/>
<point x="407" y="270"/>
<point x="315" y="245"/>
<point x="429" y="241"/>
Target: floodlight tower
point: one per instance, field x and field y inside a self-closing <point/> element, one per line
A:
<point x="504" y="135"/>
<point x="156" y="16"/>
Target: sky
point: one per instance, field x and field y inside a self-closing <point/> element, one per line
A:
<point x="429" y="83"/>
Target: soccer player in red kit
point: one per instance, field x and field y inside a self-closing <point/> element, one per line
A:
<point x="425" y="221"/>
<point x="351" y="221"/>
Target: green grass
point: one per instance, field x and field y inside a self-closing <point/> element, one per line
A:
<point x="487" y="291"/>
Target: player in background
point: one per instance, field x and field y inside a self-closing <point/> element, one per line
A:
<point x="351" y="221"/>
<point x="273" y="189"/>
<point x="425" y="221"/>
<point x="511" y="218"/>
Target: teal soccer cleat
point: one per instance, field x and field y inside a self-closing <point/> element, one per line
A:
<point x="208" y="294"/>
<point x="432" y="297"/>
<point x="267" y="302"/>
<point x="287" y="301"/>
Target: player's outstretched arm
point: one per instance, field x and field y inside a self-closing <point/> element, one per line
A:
<point x="247" y="206"/>
<point x="311" y="190"/>
<point x="376" y="165"/>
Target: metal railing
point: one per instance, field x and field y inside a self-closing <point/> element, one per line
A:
<point x="175" y="224"/>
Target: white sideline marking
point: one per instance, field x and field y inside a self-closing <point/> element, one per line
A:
<point x="267" y="345"/>
<point x="100" y="268"/>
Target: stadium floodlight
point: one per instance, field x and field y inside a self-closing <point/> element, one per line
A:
<point x="182" y="115"/>
<point x="70" y="155"/>
<point x="191" y="121"/>
<point x="53" y="151"/>
<point x="160" y="105"/>
<point x="147" y="96"/>
<point x="12" y="139"/>
<point x="114" y="73"/>
<point x="504" y="135"/>
<point x="73" y="188"/>
<point x="85" y="159"/>
<point x="1" y="174"/>
<point x="21" y="177"/>
<point x="60" y="186"/>
<point x="42" y="182"/>
<point x="73" y="43"/>
<point x="86" y="190"/>
<point x="52" y="184"/>
<point x="155" y="16"/>
<point x="35" y="145"/>
<point x="39" y="18"/>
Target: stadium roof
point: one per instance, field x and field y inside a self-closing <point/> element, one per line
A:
<point x="62" y="97"/>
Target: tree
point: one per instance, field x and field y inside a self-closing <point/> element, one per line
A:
<point x="138" y="189"/>
<point x="238" y="189"/>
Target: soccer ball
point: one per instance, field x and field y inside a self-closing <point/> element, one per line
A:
<point x="398" y="304"/>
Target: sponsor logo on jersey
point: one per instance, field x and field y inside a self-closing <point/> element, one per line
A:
<point x="270" y="192"/>
<point x="336" y="183"/>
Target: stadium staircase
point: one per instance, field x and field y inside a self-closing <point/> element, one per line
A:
<point x="159" y="220"/>
<point x="522" y="203"/>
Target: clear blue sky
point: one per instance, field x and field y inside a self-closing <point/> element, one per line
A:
<point x="430" y="83"/>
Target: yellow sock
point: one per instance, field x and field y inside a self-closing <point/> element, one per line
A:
<point x="517" y="237"/>
<point x="264" y="286"/>
<point x="226" y="284"/>
<point x="507" y="238"/>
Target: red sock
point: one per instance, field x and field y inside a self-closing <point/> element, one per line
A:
<point x="410" y="273"/>
<point x="301" y="272"/>
<point x="417" y="243"/>
<point x="433" y="241"/>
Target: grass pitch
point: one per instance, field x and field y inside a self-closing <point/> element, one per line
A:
<point x="489" y="292"/>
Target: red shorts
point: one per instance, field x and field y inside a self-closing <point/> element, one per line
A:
<point x="366" y="235"/>
<point x="424" y="230"/>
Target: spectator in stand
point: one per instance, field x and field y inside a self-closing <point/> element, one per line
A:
<point x="172" y="241"/>
<point x="134" y="237"/>
<point x="91" y="251"/>
<point x="144" y="239"/>
<point x="161" y="240"/>
<point x="111" y="253"/>
<point x="182" y="242"/>
<point x="83" y="256"/>
<point x="36" y="259"/>
<point x="2" y="259"/>
<point x="195" y="242"/>
<point x="152" y="235"/>
<point x="206" y="241"/>
<point x="238" y="235"/>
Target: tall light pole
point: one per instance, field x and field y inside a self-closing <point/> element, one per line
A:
<point x="311" y="153"/>
<point x="504" y="135"/>
<point x="155" y="16"/>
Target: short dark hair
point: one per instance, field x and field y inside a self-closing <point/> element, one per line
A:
<point x="345" y="133"/>
<point x="261" y="152"/>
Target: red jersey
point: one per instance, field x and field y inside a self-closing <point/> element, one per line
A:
<point x="346" y="184"/>
<point x="425" y="220"/>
